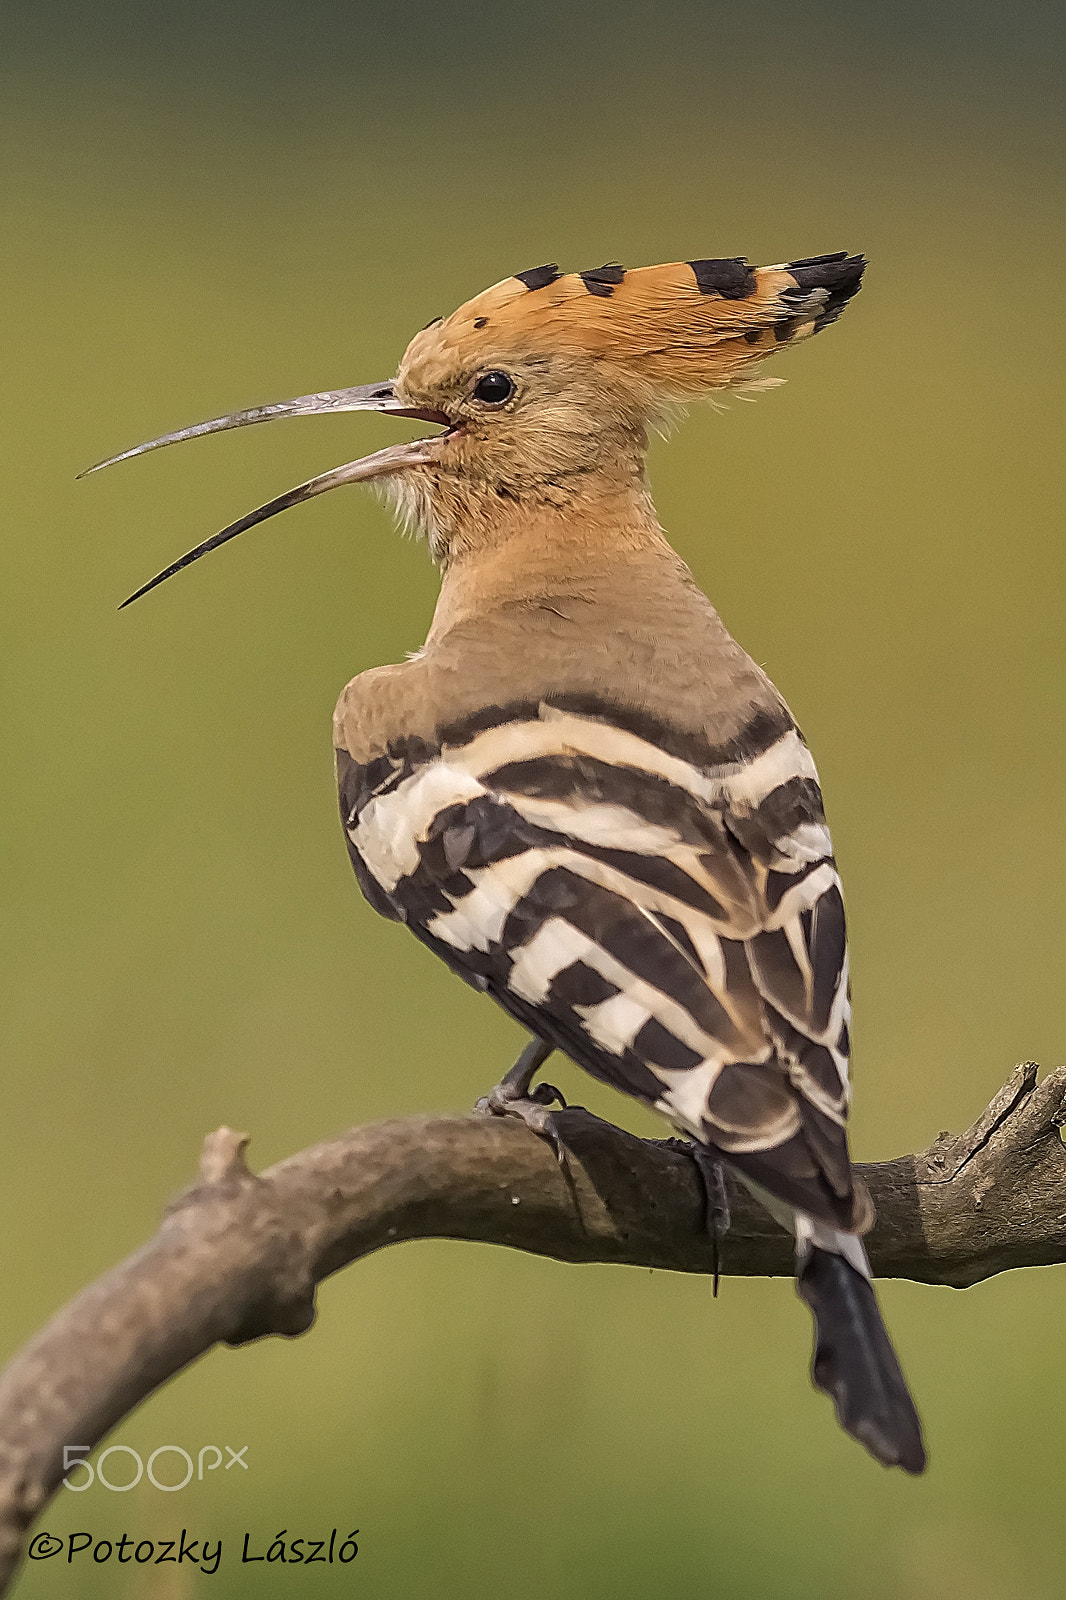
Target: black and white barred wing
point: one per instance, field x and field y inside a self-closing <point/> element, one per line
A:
<point x="678" y="931"/>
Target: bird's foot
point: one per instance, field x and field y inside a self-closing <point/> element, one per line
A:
<point x="716" y="1213"/>
<point x="514" y="1096"/>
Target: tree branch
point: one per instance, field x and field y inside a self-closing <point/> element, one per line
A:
<point x="238" y="1256"/>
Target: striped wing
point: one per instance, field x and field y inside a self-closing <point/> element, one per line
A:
<point x="678" y="931"/>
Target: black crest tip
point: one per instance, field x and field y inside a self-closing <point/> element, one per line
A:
<point x="834" y="279"/>
<point x="728" y="276"/>
<point x="603" y="280"/>
<point x="539" y="277"/>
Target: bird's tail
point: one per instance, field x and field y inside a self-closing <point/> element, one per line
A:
<point x="854" y="1362"/>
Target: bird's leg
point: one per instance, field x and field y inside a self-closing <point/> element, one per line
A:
<point x="716" y="1214"/>
<point x="514" y="1096"/>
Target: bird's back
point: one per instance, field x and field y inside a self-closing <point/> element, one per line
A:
<point x="592" y="803"/>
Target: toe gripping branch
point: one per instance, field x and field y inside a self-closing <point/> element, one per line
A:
<point x="716" y="1212"/>
<point x="514" y="1096"/>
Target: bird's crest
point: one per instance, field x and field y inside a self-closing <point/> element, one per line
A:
<point x="677" y="330"/>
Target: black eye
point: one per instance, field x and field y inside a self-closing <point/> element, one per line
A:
<point x="494" y="388"/>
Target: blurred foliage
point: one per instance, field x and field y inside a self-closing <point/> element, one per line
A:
<point x="209" y="206"/>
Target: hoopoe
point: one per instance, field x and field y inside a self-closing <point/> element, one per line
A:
<point x="581" y="793"/>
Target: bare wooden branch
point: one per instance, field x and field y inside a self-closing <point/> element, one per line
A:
<point x="239" y="1256"/>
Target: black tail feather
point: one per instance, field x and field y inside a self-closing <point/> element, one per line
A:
<point x="855" y="1364"/>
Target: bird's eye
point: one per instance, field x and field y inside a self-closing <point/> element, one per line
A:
<point x="493" y="388"/>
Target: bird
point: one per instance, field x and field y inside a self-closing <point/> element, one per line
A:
<point x="581" y="793"/>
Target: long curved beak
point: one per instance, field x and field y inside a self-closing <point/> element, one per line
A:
<point x="367" y="397"/>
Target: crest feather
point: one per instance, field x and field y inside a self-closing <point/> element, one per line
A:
<point x="677" y="330"/>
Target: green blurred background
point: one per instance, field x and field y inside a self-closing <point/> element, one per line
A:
<point x="209" y="206"/>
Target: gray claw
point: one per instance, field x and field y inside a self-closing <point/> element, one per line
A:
<point x="515" y="1096"/>
<point x="530" y="1109"/>
<point x="717" y="1216"/>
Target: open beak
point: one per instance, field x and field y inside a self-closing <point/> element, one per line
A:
<point x="368" y="397"/>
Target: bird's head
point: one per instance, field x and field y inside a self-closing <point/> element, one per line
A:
<point x="548" y="378"/>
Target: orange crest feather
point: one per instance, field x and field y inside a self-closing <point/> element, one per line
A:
<point x="679" y="329"/>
